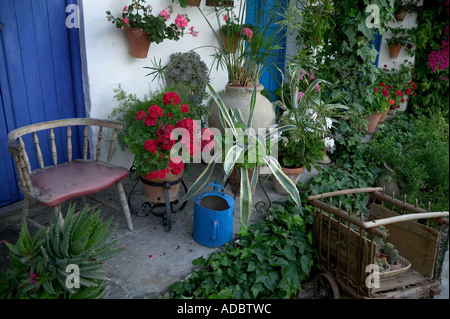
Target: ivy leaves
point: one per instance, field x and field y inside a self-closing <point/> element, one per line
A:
<point x="269" y="259"/>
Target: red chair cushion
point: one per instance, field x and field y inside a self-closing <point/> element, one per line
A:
<point x="74" y="179"/>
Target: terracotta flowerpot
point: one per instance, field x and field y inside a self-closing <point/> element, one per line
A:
<point x="139" y="42"/>
<point x="394" y="50"/>
<point x="155" y="194"/>
<point x="235" y="181"/>
<point x="373" y="121"/>
<point x="220" y="3"/>
<point x="383" y="116"/>
<point x="193" y="3"/>
<point x="294" y="176"/>
<point x="400" y="14"/>
<point x="325" y="160"/>
<point x="230" y="41"/>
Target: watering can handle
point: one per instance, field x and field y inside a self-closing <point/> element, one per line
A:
<point x="215" y="187"/>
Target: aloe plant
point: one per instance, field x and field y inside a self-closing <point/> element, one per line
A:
<point x="243" y="146"/>
<point x="39" y="263"/>
<point x="81" y="241"/>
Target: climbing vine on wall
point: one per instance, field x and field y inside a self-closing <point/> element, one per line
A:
<point x="432" y="58"/>
<point x="342" y="46"/>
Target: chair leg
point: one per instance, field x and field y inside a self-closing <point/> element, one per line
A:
<point x="124" y="203"/>
<point x="26" y="208"/>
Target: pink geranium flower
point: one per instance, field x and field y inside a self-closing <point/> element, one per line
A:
<point x="181" y="21"/>
<point x="165" y="14"/>
<point x="249" y="34"/>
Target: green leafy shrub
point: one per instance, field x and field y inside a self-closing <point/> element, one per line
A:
<point x="417" y="149"/>
<point x="38" y="263"/>
<point x="269" y="259"/>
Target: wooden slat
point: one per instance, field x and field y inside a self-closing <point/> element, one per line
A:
<point x="24" y="155"/>
<point x="353" y="248"/>
<point x="344" y="215"/>
<point x="415" y="242"/>
<point x="407" y="207"/>
<point x="99" y="143"/>
<point x="111" y="146"/>
<point x="69" y="143"/>
<point x="53" y="146"/>
<point x="346" y="192"/>
<point x="38" y="150"/>
<point x="85" y="142"/>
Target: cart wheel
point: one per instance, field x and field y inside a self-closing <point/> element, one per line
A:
<point x="325" y="287"/>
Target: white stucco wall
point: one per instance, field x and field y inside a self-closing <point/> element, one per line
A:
<point x="108" y="63"/>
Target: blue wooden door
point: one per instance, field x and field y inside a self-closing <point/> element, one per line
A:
<point x="271" y="78"/>
<point x="40" y="76"/>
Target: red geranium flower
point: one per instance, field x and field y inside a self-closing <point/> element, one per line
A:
<point x="184" y="108"/>
<point x="151" y="146"/>
<point x="155" y="111"/>
<point x="171" y="97"/>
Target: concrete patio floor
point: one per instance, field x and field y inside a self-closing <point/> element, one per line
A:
<point x="153" y="259"/>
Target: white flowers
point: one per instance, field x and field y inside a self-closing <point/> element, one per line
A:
<point x="327" y="122"/>
<point x="329" y="143"/>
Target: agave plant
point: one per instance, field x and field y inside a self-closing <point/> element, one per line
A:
<point x="246" y="141"/>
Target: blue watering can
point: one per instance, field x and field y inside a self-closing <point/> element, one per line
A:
<point x="213" y="217"/>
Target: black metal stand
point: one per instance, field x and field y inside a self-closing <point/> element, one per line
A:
<point x="260" y="202"/>
<point x="148" y="207"/>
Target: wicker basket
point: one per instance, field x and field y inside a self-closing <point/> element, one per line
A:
<point x="384" y="275"/>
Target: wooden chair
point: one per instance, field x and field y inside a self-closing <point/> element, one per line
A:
<point x="51" y="185"/>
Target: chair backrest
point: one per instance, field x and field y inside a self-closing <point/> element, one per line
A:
<point x="17" y="146"/>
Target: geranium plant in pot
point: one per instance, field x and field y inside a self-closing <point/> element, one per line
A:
<point x="153" y="127"/>
<point x="396" y="41"/>
<point x="143" y="27"/>
<point x="399" y="81"/>
<point x="378" y="101"/>
<point x="404" y="6"/>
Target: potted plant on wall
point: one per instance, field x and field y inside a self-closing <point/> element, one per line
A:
<point x="220" y="3"/>
<point x="190" y="3"/>
<point x="254" y="45"/>
<point x="142" y="27"/>
<point x="404" y="6"/>
<point x="377" y="102"/>
<point x="398" y="40"/>
<point x="152" y="129"/>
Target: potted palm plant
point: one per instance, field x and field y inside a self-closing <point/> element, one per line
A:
<point x="142" y="27"/>
<point x="240" y="50"/>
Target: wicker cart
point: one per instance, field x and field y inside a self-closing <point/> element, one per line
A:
<point x="347" y="247"/>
